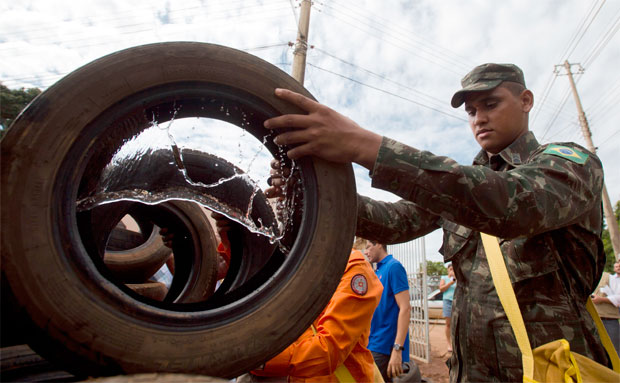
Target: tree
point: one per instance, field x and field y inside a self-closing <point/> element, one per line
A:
<point x="609" y="251"/>
<point x="12" y="101"/>
<point x="435" y="268"/>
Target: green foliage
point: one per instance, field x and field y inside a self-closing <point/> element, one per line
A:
<point x="609" y="251"/>
<point x="12" y="101"/>
<point x="435" y="268"/>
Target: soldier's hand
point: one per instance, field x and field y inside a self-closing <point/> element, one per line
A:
<point x="324" y="133"/>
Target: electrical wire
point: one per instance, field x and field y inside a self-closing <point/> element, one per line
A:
<point x="384" y="78"/>
<point x="555" y="116"/>
<point x="294" y="13"/>
<point x="429" y="47"/>
<point x="133" y="11"/>
<point x="602" y="43"/>
<point x="397" y="41"/>
<point x="585" y="30"/>
<point x="608" y="139"/>
<point x="249" y="13"/>
<point x="606" y="101"/>
<point x="387" y="92"/>
<point x="575" y="39"/>
<point x="543" y="98"/>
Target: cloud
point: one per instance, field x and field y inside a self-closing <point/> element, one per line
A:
<point x="390" y="65"/>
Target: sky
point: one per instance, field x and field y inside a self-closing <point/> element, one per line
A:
<point x="392" y="66"/>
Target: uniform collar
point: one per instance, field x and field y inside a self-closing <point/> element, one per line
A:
<point x="515" y="154"/>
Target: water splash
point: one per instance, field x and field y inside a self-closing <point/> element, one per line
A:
<point x="150" y="168"/>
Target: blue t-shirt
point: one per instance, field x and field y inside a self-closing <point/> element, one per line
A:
<point x="448" y="294"/>
<point x="384" y="323"/>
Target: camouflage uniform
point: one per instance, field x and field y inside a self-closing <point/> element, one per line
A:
<point x="544" y="205"/>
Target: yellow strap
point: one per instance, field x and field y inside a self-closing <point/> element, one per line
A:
<point x="609" y="346"/>
<point x="507" y="297"/>
<point x="511" y="307"/>
<point x="342" y="373"/>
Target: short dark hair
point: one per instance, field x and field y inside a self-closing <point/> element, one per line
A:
<point x="383" y="245"/>
<point x="514" y="87"/>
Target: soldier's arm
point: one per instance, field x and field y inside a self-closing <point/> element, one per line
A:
<point x="547" y="193"/>
<point x="393" y="222"/>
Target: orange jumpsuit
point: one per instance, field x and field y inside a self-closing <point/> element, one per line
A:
<point x="342" y="331"/>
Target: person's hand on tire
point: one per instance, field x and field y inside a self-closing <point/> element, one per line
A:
<point x="279" y="175"/>
<point x="395" y="365"/>
<point x="322" y="132"/>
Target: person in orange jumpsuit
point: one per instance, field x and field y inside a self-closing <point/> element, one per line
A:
<point x="338" y="336"/>
<point x="337" y="340"/>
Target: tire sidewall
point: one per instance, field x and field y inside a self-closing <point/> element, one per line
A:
<point x="62" y="296"/>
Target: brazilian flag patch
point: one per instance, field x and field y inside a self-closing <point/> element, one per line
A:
<point x="568" y="153"/>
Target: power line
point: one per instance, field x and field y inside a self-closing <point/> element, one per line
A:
<point x="567" y="55"/>
<point x="557" y="112"/>
<point x="294" y="14"/>
<point x="607" y="140"/>
<point x="602" y="43"/>
<point x="605" y="104"/>
<point x="430" y="47"/>
<point x="573" y="42"/>
<point x="399" y="84"/>
<point x="222" y="16"/>
<point x="133" y="11"/>
<point x="388" y="92"/>
<point x="399" y="42"/>
<point x="544" y="96"/>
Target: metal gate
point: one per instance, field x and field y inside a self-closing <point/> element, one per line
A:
<point x="413" y="257"/>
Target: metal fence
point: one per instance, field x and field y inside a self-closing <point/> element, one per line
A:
<point x="413" y="257"/>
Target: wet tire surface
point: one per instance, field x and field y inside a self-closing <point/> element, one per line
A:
<point x="55" y="151"/>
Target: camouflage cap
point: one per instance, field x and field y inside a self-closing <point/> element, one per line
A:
<point x="486" y="77"/>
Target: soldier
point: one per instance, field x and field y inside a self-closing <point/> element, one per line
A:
<point x="542" y="201"/>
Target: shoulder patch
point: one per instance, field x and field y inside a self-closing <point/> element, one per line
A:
<point x="359" y="284"/>
<point x="568" y="153"/>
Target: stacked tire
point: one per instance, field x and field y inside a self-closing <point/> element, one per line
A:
<point x="78" y="314"/>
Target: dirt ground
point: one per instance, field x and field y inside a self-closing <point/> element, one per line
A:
<point x="436" y="371"/>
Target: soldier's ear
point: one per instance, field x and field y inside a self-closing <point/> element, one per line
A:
<point x="527" y="100"/>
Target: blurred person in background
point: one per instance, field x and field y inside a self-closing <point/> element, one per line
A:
<point x="447" y="285"/>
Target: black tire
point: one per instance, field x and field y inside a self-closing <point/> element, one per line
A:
<point x="251" y="252"/>
<point x="152" y="290"/>
<point x="122" y="239"/>
<point x="138" y="264"/>
<point x="195" y="256"/>
<point x="21" y="364"/>
<point x="58" y="147"/>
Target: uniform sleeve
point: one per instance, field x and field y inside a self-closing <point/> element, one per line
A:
<point x="393" y="222"/>
<point x="339" y="328"/>
<point x="546" y="193"/>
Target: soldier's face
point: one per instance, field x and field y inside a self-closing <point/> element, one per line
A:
<point x="497" y="117"/>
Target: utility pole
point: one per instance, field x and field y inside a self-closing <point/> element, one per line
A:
<point x="301" y="46"/>
<point x="612" y="224"/>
